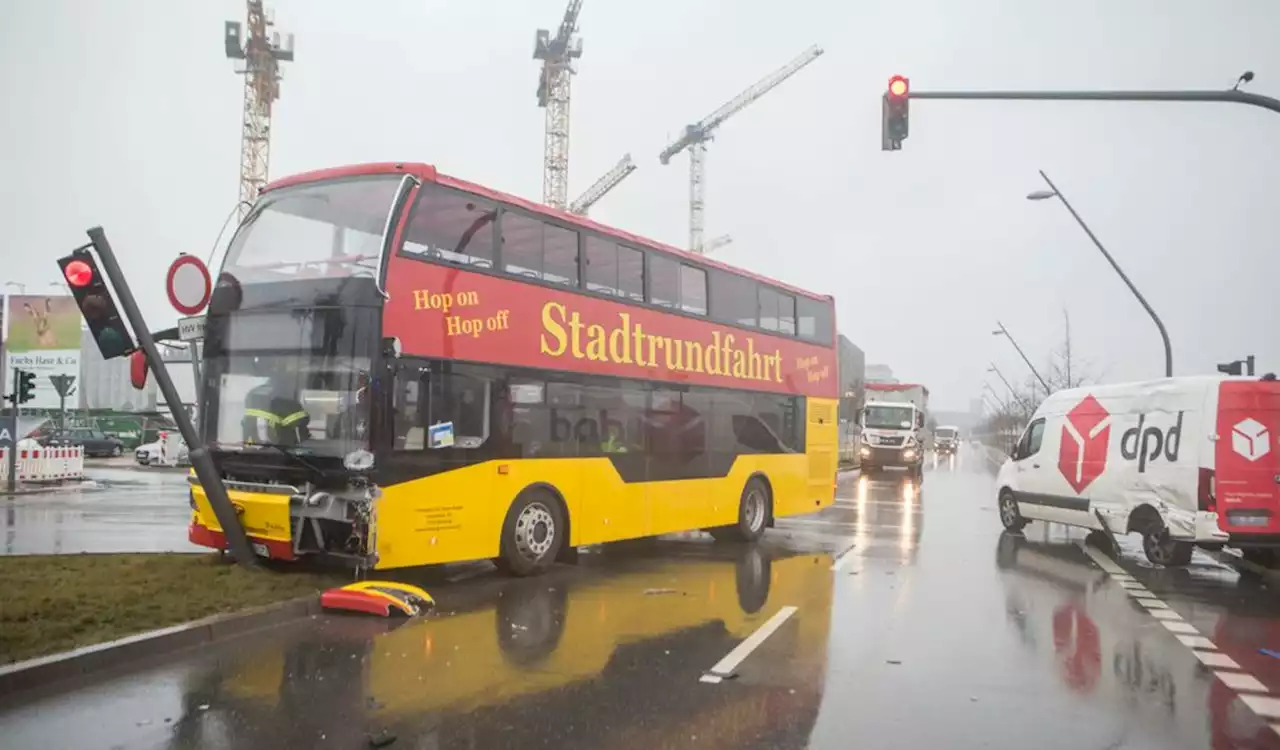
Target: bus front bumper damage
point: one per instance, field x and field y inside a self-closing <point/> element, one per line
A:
<point x="284" y="522"/>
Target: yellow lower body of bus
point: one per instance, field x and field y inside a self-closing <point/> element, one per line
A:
<point x="458" y="515"/>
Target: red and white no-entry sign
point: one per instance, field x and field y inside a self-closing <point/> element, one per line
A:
<point x="188" y="284"/>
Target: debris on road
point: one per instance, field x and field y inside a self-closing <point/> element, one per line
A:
<point x="378" y="598"/>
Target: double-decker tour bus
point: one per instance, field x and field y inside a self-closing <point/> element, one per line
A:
<point x="402" y="368"/>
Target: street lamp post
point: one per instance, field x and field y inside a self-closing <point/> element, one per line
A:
<point x="1025" y="406"/>
<point x="1005" y="332"/>
<point x="1053" y="192"/>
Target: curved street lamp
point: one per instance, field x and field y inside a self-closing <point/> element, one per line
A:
<point x="1054" y="192"/>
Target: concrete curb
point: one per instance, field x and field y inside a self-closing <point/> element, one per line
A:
<point x="46" y="670"/>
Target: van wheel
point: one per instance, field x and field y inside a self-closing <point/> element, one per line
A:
<point x="532" y="535"/>
<point x="1009" y="515"/>
<point x="1161" y="549"/>
<point x="754" y="509"/>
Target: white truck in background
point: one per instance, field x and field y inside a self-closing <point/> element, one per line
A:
<point x="893" y="427"/>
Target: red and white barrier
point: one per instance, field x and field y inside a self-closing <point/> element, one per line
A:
<point x="44" y="464"/>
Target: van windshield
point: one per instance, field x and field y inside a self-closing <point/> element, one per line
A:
<point x="946" y="433"/>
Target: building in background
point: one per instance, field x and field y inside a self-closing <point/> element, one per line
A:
<point x="104" y="384"/>
<point x="853" y="365"/>
<point x="879" y="374"/>
<point x="44" y="338"/>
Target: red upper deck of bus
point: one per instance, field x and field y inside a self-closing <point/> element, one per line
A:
<point x="428" y="173"/>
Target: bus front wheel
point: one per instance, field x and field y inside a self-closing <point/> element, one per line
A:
<point x="754" y="509"/>
<point x="533" y="534"/>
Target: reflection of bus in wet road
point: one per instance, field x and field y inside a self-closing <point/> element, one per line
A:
<point x="603" y="654"/>
<point x="1108" y="650"/>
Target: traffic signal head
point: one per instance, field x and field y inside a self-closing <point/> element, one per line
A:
<point x="893" y="129"/>
<point x="26" y="386"/>
<point x="92" y="295"/>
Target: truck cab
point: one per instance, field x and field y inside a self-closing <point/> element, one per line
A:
<point x="892" y="436"/>
<point x="946" y="440"/>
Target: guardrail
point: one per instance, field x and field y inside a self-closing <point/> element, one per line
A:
<point x="44" y="464"/>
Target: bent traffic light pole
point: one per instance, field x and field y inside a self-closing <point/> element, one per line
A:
<point x="201" y="461"/>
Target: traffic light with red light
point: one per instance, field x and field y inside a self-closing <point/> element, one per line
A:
<point x="893" y="127"/>
<point x="89" y="287"/>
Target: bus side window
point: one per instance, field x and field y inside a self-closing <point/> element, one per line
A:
<point x="412" y="385"/>
<point x="465" y="401"/>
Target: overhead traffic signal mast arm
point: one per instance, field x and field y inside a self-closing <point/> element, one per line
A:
<point x="702" y="130"/>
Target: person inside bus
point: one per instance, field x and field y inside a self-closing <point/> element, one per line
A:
<point x="613" y="442"/>
<point x="273" y="413"/>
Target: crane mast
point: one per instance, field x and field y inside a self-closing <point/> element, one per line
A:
<point x="603" y="185"/>
<point x="557" y="55"/>
<point x="261" y="54"/>
<point x="695" y="137"/>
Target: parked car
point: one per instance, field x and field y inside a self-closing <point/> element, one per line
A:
<point x="149" y="454"/>
<point x="94" y="442"/>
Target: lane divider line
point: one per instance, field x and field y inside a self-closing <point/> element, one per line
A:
<point x="1241" y="681"/>
<point x="1180" y="627"/>
<point x="1226" y="669"/>
<point x="724" y="668"/>
<point x="1196" y="641"/>
<point x="1263" y="705"/>
<point x="844" y="559"/>
<point x="1215" y="659"/>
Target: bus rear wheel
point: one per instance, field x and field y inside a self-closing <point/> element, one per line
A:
<point x="533" y="534"/>
<point x="754" y="509"/>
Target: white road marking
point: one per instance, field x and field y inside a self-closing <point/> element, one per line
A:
<point x="1263" y="705"/>
<point x="844" y="559"/>
<point x="1196" y="641"/>
<point x="1104" y="562"/>
<point x="710" y="678"/>
<point x="1215" y="659"/>
<point x="1239" y="681"/>
<point x="1243" y="683"/>
<point x="725" y="666"/>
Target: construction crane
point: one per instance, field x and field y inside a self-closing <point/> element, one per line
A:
<point x="714" y="244"/>
<point x="557" y="56"/>
<point x="603" y="185"/>
<point x="695" y="138"/>
<point x="262" y="54"/>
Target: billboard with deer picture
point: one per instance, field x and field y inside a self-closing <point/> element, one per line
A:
<point x="44" y="338"/>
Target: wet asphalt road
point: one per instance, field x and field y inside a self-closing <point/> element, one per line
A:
<point x="916" y="623"/>
<point x="119" y="509"/>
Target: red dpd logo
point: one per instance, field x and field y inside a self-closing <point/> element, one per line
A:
<point x="1086" y="434"/>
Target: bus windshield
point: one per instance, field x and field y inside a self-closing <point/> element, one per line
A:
<point x="294" y="380"/>
<point x="326" y="229"/>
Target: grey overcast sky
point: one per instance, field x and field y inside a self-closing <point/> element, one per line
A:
<point x="125" y="113"/>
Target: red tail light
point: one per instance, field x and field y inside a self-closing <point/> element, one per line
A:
<point x="1206" y="491"/>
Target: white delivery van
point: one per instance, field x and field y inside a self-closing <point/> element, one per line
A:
<point x="1182" y="461"/>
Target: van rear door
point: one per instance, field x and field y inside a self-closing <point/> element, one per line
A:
<point x="1247" y="459"/>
